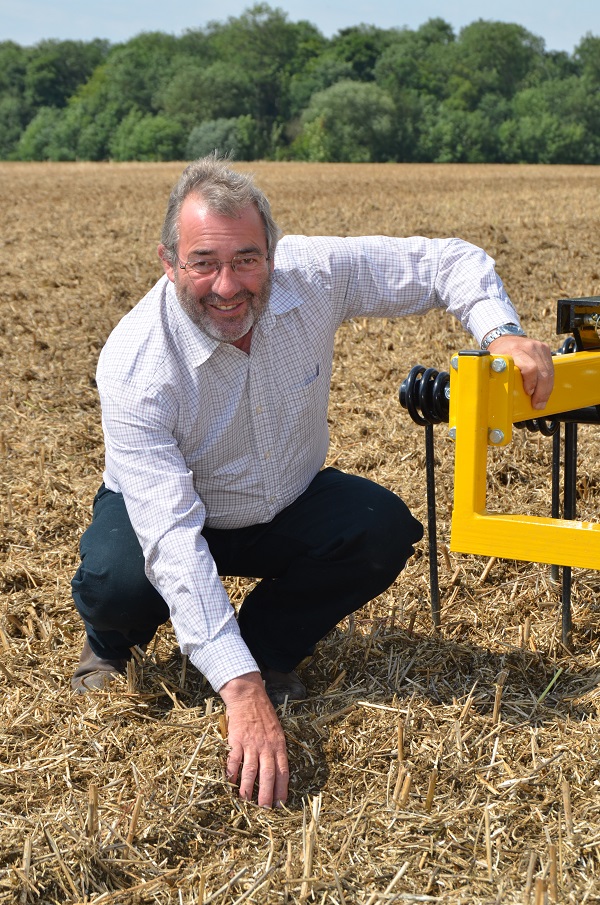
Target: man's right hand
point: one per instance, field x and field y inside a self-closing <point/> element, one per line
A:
<point x="256" y="741"/>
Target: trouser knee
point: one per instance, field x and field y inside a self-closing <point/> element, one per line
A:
<point x="388" y="535"/>
<point x="110" y="588"/>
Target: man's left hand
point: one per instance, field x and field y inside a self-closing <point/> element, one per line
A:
<point x="534" y="360"/>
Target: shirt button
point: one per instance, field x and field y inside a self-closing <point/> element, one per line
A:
<point x="259" y="409"/>
<point x="267" y="455"/>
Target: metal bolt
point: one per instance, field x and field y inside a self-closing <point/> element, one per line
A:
<point x="447" y="391"/>
<point x="496" y="436"/>
<point x="452" y="433"/>
<point x="498" y="365"/>
<point x="454" y="362"/>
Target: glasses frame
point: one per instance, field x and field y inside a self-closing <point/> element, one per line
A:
<point x="188" y="266"/>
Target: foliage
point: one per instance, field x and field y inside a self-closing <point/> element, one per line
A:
<point x="144" y="136"/>
<point x="235" y="137"/>
<point x="58" y="68"/>
<point x="349" y="122"/>
<point x="264" y="87"/>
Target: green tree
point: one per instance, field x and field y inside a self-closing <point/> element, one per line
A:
<point x="348" y="122"/>
<point x="421" y="60"/>
<point x="555" y="122"/>
<point x="15" y="110"/>
<point x="268" y="50"/>
<point x="145" y="136"/>
<point x="11" y="125"/>
<point x="360" y="47"/>
<point x="414" y="70"/>
<point x="235" y="136"/>
<point x="57" y="68"/>
<point x="587" y="56"/>
<point x="493" y="57"/>
<point x="38" y="141"/>
<point x="197" y="92"/>
<point x="13" y="66"/>
<point x="127" y="82"/>
<point x="320" y="73"/>
<point x="137" y="71"/>
<point x="455" y="135"/>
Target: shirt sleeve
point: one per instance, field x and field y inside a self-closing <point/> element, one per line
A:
<point x="383" y="276"/>
<point x="168" y="516"/>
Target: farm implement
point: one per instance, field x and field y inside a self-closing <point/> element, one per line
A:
<point x="482" y="399"/>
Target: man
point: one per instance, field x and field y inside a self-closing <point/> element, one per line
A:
<point x="214" y="393"/>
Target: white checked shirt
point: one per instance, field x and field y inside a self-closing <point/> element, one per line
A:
<point x="197" y="432"/>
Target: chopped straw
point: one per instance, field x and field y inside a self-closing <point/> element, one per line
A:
<point x="456" y="767"/>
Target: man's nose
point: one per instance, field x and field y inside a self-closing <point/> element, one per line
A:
<point x="226" y="282"/>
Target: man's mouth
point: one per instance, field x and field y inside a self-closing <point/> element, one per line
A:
<point x="226" y="307"/>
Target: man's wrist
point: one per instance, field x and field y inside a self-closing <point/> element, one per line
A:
<point x="237" y="688"/>
<point x="510" y="329"/>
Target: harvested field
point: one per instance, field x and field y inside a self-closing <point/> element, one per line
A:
<point x="459" y="766"/>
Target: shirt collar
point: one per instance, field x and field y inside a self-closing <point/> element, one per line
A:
<point x="198" y="347"/>
<point x="282" y="300"/>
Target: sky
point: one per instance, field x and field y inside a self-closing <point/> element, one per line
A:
<point x="561" y="23"/>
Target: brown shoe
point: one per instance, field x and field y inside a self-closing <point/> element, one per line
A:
<point x="94" y="673"/>
<point x="283" y="685"/>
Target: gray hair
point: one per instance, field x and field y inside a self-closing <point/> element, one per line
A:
<point x="224" y="190"/>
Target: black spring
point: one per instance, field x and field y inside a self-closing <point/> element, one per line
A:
<point x="425" y="394"/>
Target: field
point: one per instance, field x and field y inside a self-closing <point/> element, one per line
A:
<point x="458" y="766"/>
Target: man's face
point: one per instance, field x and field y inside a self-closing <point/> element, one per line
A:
<point x="225" y="305"/>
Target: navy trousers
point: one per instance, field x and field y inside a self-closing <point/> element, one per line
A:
<point x="339" y="545"/>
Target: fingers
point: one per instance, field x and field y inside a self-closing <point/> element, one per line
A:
<point x="249" y="775"/>
<point x="537" y="372"/>
<point x="234" y="762"/>
<point x="534" y="361"/>
<point x="539" y="389"/>
<point x="270" y="770"/>
<point x="257" y="742"/>
<point x="282" y="778"/>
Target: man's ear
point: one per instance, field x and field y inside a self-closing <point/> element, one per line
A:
<point x="166" y="263"/>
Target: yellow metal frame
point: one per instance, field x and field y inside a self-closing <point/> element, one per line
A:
<point x="486" y="399"/>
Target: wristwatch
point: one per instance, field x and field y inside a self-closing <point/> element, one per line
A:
<point x="502" y="330"/>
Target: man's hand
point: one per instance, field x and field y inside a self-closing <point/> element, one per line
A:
<point x="534" y="361"/>
<point x="256" y="741"/>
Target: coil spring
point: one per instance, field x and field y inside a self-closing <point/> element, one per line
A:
<point x="425" y="394"/>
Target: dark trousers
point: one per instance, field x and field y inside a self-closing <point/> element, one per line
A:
<point x="339" y="545"/>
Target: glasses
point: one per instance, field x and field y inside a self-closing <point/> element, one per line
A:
<point x="208" y="267"/>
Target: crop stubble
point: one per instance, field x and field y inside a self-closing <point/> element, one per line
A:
<point x="444" y="767"/>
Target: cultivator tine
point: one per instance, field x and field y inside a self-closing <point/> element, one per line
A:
<point x="425" y="393"/>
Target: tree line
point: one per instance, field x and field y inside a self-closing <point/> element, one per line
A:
<point x="261" y="87"/>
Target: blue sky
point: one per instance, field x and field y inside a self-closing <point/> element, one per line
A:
<point x="562" y="24"/>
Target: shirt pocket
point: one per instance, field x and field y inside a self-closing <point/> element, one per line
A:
<point x="304" y="407"/>
<point x="310" y="378"/>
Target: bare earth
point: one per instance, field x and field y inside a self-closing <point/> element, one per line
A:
<point x="461" y="766"/>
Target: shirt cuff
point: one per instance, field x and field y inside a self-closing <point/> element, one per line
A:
<point x="225" y="658"/>
<point x="489" y="314"/>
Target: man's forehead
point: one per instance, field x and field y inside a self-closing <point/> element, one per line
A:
<point x="199" y="219"/>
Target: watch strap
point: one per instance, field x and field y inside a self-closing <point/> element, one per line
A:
<point x="502" y="330"/>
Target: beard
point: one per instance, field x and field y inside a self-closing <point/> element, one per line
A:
<point x="224" y="329"/>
